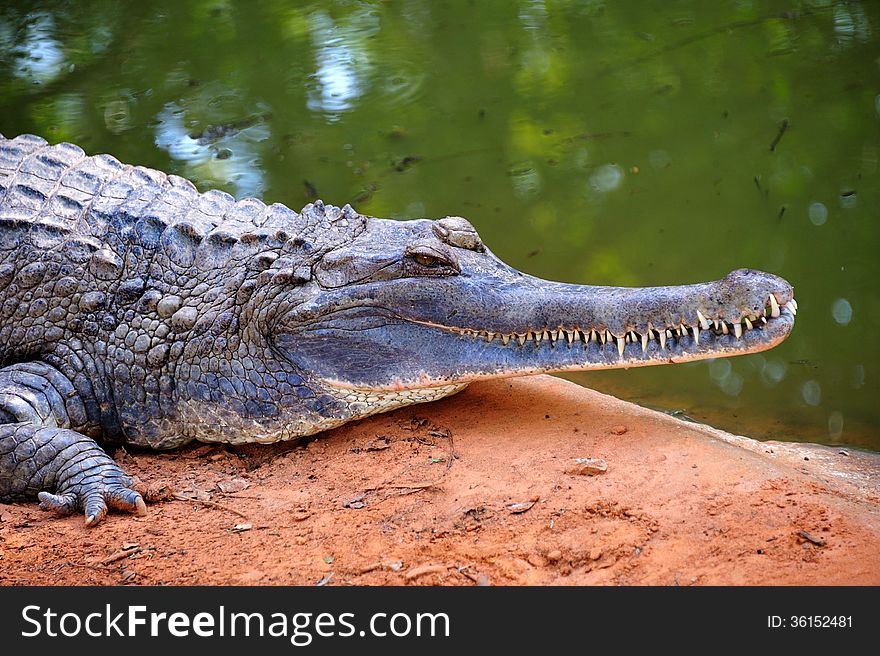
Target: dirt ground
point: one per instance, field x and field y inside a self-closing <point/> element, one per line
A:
<point x="487" y="487"/>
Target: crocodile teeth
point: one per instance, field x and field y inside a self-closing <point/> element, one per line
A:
<point x="554" y="335"/>
<point x="645" y="343"/>
<point x="521" y="338"/>
<point x="505" y="339"/>
<point x="748" y="323"/>
<point x="662" y="339"/>
<point x="717" y="324"/>
<point x="620" y="345"/>
<point x="794" y="304"/>
<point x="696" y="335"/>
<point x="764" y="320"/>
<point x="569" y="336"/>
<point x="608" y="337"/>
<point x="704" y="322"/>
<point x="774" y="306"/>
<point x="738" y="330"/>
<point x="791" y="306"/>
<point x="724" y="328"/>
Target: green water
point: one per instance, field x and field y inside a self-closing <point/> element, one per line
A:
<point x="588" y="141"/>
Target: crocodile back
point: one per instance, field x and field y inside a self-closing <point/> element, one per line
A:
<point x="84" y="238"/>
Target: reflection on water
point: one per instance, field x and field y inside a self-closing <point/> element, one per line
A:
<point x="851" y="22"/>
<point x="341" y="60"/>
<point x="594" y="142"/>
<point x="39" y="57"/>
<point x="227" y="160"/>
<point x="349" y="70"/>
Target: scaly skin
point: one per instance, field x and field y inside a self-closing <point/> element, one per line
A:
<point x="134" y="309"/>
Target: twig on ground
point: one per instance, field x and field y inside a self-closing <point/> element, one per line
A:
<point x="212" y="504"/>
<point x="119" y="555"/>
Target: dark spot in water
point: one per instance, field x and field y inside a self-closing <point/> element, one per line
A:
<point x="406" y="162"/>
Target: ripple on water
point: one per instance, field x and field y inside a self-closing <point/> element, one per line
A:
<point x="773" y="372"/>
<point x="525" y="179"/>
<point x="811" y="392"/>
<point x="732" y="385"/>
<point x="399" y="84"/>
<point x="719" y="369"/>
<point x="842" y="311"/>
<point x="607" y="177"/>
<point x="818" y="214"/>
<point x="835" y="424"/>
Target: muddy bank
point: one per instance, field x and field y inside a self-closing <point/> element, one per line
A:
<point x="527" y="481"/>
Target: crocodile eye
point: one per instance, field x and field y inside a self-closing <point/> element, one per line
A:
<point x="428" y="260"/>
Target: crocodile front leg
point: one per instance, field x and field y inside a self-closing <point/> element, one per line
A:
<point x="42" y="455"/>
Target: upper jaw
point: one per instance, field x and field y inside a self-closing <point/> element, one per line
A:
<point x="555" y="327"/>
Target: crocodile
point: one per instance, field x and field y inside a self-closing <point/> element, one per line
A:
<point x="136" y="310"/>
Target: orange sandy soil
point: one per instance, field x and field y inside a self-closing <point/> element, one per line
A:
<point x="480" y="488"/>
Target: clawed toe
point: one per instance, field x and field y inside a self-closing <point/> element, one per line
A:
<point x="62" y="504"/>
<point x="127" y="500"/>
<point x="94" y="499"/>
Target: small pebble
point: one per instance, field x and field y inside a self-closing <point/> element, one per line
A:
<point x="536" y="561"/>
<point x="618" y="430"/>
<point x="233" y="485"/>
<point x="587" y="467"/>
<point x="554" y="556"/>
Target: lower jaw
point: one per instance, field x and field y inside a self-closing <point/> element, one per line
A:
<point x="681" y="349"/>
<point x="589" y="356"/>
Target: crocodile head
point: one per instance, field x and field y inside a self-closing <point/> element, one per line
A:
<point x="414" y="310"/>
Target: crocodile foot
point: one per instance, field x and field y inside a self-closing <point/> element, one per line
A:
<point x="97" y="484"/>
